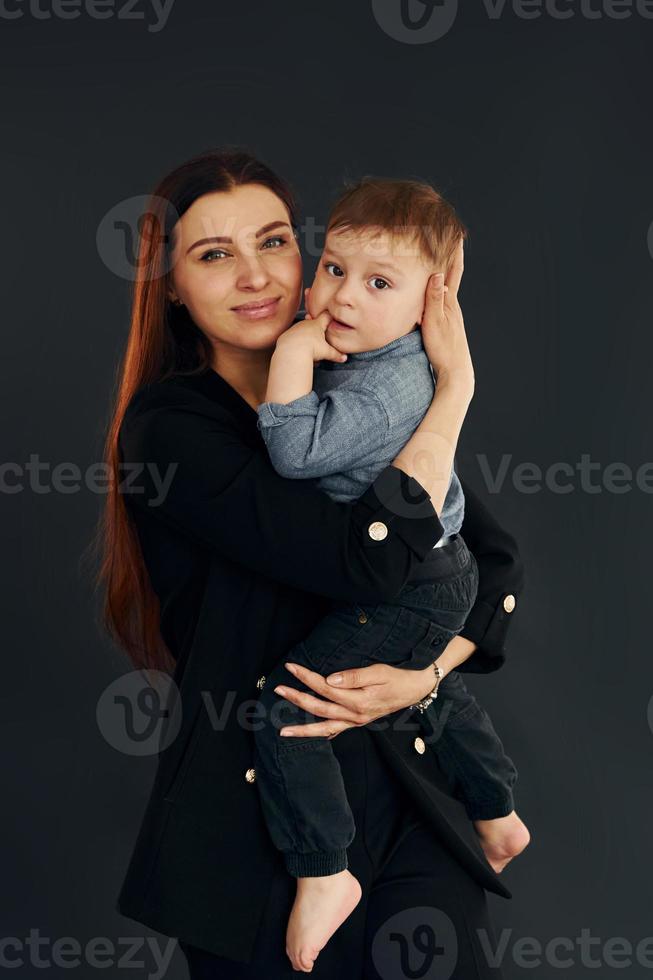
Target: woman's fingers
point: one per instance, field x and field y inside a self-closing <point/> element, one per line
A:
<point x="348" y="700"/>
<point x="309" y="677"/>
<point x="317" y="729"/>
<point x="357" y="677"/>
<point x="455" y="273"/>
<point x="315" y="706"/>
<point x="434" y="301"/>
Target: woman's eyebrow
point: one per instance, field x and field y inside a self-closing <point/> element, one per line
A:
<point x="229" y="241"/>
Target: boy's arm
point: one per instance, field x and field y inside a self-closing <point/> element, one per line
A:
<point x="291" y="370"/>
<point x="307" y="436"/>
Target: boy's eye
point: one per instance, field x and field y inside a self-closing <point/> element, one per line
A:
<point x="378" y="283"/>
<point x="333" y="269"/>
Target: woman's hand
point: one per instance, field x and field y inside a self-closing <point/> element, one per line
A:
<point x="443" y="326"/>
<point x="363" y="695"/>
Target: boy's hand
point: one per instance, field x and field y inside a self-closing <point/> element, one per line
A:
<point x="309" y="335"/>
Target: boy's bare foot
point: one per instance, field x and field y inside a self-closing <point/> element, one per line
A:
<point x="321" y="906"/>
<point x="502" y="839"/>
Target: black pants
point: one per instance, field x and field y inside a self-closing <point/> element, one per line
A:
<point x="304" y="800"/>
<point x="421" y="914"/>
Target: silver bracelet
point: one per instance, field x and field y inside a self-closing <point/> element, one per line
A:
<point x="430" y="698"/>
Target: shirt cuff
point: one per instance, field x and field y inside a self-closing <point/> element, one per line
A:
<point x="276" y="413"/>
<point x="397" y="504"/>
<point x="487" y="626"/>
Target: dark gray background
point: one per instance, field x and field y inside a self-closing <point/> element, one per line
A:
<point x="540" y="132"/>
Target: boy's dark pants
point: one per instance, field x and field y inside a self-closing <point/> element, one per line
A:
<point x="299" y="779"/>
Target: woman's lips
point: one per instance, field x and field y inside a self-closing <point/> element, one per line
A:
<point x="260" y="310"/>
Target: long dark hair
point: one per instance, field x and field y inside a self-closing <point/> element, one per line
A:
<point x="163" y="341"/>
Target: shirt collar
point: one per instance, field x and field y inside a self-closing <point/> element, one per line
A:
<point x="215" y="387"/>
<point x="410" y="343"/>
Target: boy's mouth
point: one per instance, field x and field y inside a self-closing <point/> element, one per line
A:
<point x="339" y="325"/>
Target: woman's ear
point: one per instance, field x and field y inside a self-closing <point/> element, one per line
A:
<point x="172" y="297"/>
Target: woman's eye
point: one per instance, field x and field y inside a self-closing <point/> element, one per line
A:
<point x="275" y="242"/>
<point x="378" y="283"/>
<point x="217" y="252"/>
<point x="333" y="269"/>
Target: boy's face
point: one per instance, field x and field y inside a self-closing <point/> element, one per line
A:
<point x="373" y="285"/>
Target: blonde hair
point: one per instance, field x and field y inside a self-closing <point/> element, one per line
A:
<point x="407" y="209"/>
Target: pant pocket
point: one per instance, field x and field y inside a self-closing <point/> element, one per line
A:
<point x="414" y="641"/>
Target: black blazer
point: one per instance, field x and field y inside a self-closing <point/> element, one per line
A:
<point x="244" y="563"/>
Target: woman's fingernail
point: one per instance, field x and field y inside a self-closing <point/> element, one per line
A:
<point x="286" y="731"/>
<point x="334" y="679"/>
<point x="291" y="668"/>
<point x="280" y="690"/>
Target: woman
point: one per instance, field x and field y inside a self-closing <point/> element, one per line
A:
<point x="220" y="574"/>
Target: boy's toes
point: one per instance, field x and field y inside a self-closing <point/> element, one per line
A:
<point x="307" y="959"/>
<point x="502" y="839"/>
<point x="302" y="960"/>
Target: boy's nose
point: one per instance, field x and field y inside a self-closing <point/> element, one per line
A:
<point x="345" y="295"/>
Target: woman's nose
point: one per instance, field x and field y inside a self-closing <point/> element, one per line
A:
<point x="252" y="273"/>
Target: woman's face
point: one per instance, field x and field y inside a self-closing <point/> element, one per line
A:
<point x="237" y="267"/>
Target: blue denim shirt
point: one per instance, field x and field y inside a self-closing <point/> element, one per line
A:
<point x="354" y="422"/>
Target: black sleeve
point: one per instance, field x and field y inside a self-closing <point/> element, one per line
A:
<point x="501" y="580"/>
<point x="225" y="493"/>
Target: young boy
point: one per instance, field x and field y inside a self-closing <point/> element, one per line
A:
<point x="343" y="422"/>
